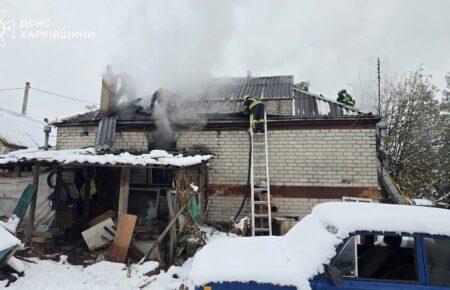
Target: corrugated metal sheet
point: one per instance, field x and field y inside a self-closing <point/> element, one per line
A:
<point x="273" y="87"/>
<point x="311" y="105"/>
<point x="106" y="134"/>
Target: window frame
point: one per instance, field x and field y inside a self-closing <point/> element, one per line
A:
<point x="424" y="257"/>
<point x="419" y="256"/>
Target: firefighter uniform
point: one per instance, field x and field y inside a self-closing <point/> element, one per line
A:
<point x="255" y="108"/>
<point x="344" y="97"/>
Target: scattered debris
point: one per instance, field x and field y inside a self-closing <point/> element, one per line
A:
<point x="98" y="236"/>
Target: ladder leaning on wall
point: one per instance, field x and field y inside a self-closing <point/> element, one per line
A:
<point x="261" y="216"/>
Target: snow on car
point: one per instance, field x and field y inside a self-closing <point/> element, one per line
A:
<point x="338" y="246"/>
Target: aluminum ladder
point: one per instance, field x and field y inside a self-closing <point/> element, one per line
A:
<point x="261" y="215"/>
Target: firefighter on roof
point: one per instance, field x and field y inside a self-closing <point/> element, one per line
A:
<point x="303" y="86"/>
<point x="344" y="97"/>
<point x="255" y="108"/>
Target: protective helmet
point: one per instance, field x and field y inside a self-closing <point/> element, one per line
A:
<point x="246" y="97"/>
<point x="342" y="91"/>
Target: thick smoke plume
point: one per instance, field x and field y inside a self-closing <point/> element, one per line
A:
<point x="174" y="45"/>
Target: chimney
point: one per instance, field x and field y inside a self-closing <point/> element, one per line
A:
<point x="249" y="74"/>
<point x="108" y="91"/>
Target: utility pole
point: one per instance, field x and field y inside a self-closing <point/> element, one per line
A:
<point x="25" y="98"/>
<point x="379" y="87"/>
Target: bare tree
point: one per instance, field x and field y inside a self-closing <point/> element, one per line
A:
<point x="415" y="133"/>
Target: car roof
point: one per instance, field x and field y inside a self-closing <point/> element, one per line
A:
<point x="348" y="217"/>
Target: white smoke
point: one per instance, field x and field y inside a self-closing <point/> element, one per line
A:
<point x="174" y="45"/>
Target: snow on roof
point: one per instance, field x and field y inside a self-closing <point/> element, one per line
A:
<point x="89" y="156"/>
<point x="295" y="258"/>
<point x="22" y="131"/>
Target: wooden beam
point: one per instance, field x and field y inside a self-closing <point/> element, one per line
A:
<point x="119" y="248"/>
<point x="173" y="231"/>
<point x="32" y="210"/>
<point x="124" y="190"/>
<point x="88" y="174"/>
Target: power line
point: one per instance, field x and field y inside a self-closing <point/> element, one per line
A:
<point x="10" y="89"/>
<point x="63" y="96"/>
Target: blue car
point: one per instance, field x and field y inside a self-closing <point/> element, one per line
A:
<point x="361" y="246"/>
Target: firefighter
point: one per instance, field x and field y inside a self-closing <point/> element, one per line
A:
<point x="344" y="97"/>
<point x="255" y="108"/>
<point x="303" y="86"/>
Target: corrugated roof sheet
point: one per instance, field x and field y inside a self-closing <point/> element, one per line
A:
<point x="155" y="158"/>
<point x="311" y="105"/>
<point x="225" y="97"/>
<point x="106" y="134"/>
<point x="273" y="87"/>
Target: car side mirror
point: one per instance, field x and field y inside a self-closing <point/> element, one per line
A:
<point x="335" y="275"/>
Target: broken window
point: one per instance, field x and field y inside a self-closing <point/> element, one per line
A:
<point x="388" y="257"/>
<point x="437" y="252"/>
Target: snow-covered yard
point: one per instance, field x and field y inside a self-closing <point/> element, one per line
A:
<point x="51" y="275"/>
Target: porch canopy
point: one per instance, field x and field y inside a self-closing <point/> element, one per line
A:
<point x="88" y="156"/>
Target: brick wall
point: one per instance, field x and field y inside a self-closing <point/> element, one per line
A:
<point x="222" y="208"/>
<point x="307" y="166"/>
<point x="69" y="138"/>
<point x="325" y="157"/>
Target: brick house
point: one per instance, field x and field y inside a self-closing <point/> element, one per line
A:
<point x="320" y="150"/>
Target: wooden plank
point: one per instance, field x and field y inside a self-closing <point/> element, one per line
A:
<point x="32" y="211"/>
<point x="98" y="219"/>
<point x="124" y="190"/>
<point x="119" y="248"/>
<point x="86" y="202"/>
<point x="25" y="201"/>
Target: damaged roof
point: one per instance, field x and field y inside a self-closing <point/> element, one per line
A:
<point x="223" y="101"/>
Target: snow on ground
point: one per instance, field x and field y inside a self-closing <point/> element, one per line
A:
<point x="88" y="155"/>
<point x="298" y="256"/>
<point x="50" y="275"/>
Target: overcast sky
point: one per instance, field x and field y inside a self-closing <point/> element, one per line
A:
<point x="177" y="44"/>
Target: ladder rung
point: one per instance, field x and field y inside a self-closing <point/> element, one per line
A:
<point x="260" y="215"/>
<point x="261" y="229"/>
<point x="259" y="143"/>
<point x="261" y="202"/>
<point x="259" y="154"/>
<point x="260" y="189"/>
<point x="260" y="176"/>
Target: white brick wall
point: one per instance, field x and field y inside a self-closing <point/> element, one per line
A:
<point x="223" y="207"/>
<point x="69" y="138"/>
<point x="324" y="157"/>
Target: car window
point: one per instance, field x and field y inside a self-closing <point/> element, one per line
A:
<point x="437" y="252"/>
<point x="345" y="262"/>
<point x="389" y="257"/>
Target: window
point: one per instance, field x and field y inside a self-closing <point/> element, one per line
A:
<point x="437" y="253"/>
<point x="389" y="257"/>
